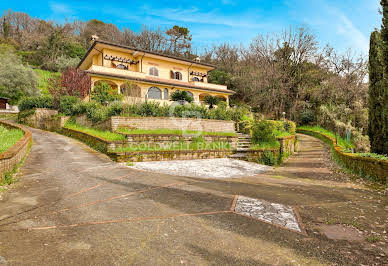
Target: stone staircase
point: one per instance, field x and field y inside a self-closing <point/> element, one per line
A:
<point x="243" y="144"/>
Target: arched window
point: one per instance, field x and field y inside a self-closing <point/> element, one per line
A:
<point x="165" y="94"/>
<point x="154" y="71"/>
<point x="154" y="93"/>
<point x="178" y="75"/>
<point x="195" y="79"/>
<point x="132" y="90"/>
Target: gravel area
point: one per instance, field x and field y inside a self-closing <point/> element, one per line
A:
<point x="205" y="168"/>
<point x="274" y="213"/>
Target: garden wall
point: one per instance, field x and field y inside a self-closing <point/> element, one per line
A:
<point x="46" y="119"/>
<point x="144" y="156"/>
<point x="172" y="138"/>
<point x="365" y="167"/>
<point x="175" y="123"/>
<point x="11" y="157"/>
<point x="274" y="156"/>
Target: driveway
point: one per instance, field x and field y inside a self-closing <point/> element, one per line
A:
<point x="73" y="205"/>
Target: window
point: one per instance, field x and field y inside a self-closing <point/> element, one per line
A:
<point x="154" y="93"/>
<point x="154" y="71"/>
<point x="122" y="66"/>
<point x="178" y="75"/>
<point x="195" y="79"/>
<point x="131" y="90"/>
<point x="166" y="94"/>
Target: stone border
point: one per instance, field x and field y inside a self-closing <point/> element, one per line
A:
<point x="11" y="157"/>
<point x="147" y="156"/>
<point x="363" y="166"/>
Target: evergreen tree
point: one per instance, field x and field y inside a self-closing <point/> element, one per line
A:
<point x="384" y="45"/>
<point x="375" y="127"/>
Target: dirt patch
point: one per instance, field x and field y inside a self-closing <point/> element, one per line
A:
<point x="340" y="232"/>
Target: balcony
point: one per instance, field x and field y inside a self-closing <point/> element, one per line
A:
<point x="210" y="86"/>
<point x="116" y="71"/>
<point x="133" y="74"/>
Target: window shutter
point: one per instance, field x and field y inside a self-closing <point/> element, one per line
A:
<point x="172" y="74"/>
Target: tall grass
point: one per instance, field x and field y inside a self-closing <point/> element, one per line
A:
<point x="43" y="77"/>
<point x="8" y="137"/>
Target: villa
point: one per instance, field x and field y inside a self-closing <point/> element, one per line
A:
<point x="142" y="75"/>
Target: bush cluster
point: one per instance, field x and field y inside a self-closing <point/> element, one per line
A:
<point x="268" y="130"/>
<point x="28" y="103"/>
<point x="97" y="112"/>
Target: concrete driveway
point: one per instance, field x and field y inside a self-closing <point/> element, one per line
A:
<point x="73" y="205"/>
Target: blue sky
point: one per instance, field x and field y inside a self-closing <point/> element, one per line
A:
<point x="341" y="23"/>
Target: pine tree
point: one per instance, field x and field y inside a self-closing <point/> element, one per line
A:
<point x="384" y="93"/>
<point x="375" y="128"/>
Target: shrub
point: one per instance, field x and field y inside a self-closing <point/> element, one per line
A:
<point x="306" y="117"/>
<point x="103" y="93"/>
<point x="114" y="109"/>
<point x="95" y="111"/>
<point x="67" y="103"/>
<point x="263" y="131"/>
<point x="290" y="127"/>
<point x="211" y="101"/>
<point x="181" y="96"/>
<point x="29" y="103"/>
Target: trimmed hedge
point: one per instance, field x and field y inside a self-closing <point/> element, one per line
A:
<point x="370" y="168"/>
<point x="29" y="103"/>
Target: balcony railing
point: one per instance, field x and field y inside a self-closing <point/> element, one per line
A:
<point x="134" y="74"/>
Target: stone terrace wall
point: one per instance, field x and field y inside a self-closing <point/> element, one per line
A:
<point x="11" y="157"/>
<point x="145" y="156"/>
<point x="46" y="119"/>
<point x="172" y="123"/>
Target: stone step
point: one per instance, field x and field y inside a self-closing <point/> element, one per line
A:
<point x="242" y="149"/>
<point x="240" y="156"/>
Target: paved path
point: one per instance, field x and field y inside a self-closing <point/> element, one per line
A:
<point x="73" y="205"/>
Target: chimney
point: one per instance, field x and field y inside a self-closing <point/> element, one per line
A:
<point x="93" y="38"/>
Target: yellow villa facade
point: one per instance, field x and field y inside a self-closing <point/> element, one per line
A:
<point x="141" y="75"/>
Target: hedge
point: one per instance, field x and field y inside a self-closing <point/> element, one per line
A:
<point x="370" y="168"/>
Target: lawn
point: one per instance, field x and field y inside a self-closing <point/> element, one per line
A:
<point x="172" y="132"/>
<point x="266" y="145"/>
<point x="107" y="135"/>
<point x="182" y="146"/>
<point x="43" y="77"/>
<point x="8" y="137"/>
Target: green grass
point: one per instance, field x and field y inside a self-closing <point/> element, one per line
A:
<point x="344" y="144"/>
<point x="183" y="146"/>
<point x="8" y="137"/>
<point x="43" y="77"/>
<point x="373" y="155"/>
<point x="266" y="145"/>
<point x="280" y="134"/>
<point x="172" y="132"/>
<point x="107" y="135"/>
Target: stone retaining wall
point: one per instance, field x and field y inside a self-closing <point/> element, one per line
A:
<point x="174" y="123"/>
<point x="145" y="156"/>
<point x="174" y="139"/>
<point x="365" y="167"/>
<point x="11" y="157"/>
<point x="46" y="119"/>
<point x="288" y="145"/>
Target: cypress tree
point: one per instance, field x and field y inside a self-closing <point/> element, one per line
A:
<point x="384" y="87"/>
<point x="375" y="127"/>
